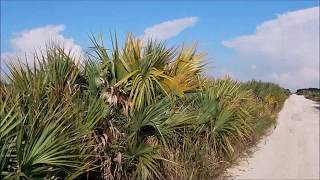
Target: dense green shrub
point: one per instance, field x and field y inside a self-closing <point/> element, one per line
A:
<point x="143" y="111"/>
<point x="270" y="99"/>
<point x="270" y="93"/>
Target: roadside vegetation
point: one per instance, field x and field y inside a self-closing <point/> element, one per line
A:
<point x="139" y="111"/>
<point x="310" y="93"/>
<point x="271" y="97"/>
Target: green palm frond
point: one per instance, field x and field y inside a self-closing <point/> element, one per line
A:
<point x="150" y="121"/>
<point x="223" y="116"/>
<point x="93" y="111"/>
<point x="46" y="145"/>
<point x="185" y="70"/>
<point x="10" y="119"/>
<point x="146" y="159"/>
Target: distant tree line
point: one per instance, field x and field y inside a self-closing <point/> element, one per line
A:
<point x="310" y="93"/>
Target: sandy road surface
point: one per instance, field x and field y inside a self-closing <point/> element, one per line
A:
<point x="292" y="150"/>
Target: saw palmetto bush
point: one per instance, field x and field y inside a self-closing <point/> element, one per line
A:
<point x="44" y="124"/>
<point x="139" y="111"/>
<point x="223" y="124"/>
<point x="268" y="92"/>
<point x="269" y="99"/>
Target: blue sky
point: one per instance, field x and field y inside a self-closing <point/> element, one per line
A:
<point x="213" y="24"/>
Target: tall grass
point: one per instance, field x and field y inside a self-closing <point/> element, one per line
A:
<point x="141" y="111"/>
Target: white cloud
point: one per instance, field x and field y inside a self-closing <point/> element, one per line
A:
<point x="168" y="29"/>
<point x="25" y="44"/>
<point x="288" y="44"/>
<point x="253" y="66"/>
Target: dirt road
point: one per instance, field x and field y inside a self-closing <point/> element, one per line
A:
<point x="292" y="150"/>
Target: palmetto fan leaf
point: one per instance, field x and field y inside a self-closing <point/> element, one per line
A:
<point x="150" y="121"/>
<point x="185" y="70"/>
<point x="159" y="123"/>
<point x="145" y="66"/>
<point x="37" y="146"/>
<point x="45" y="145"/>
<point x="148" y="70"/>
<point x="45" y="140"/>
<point x="222" y="116"/>
<point x="159" y="120"/>
<point x="146" y="159"/>
<point x="9" y="120"/>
